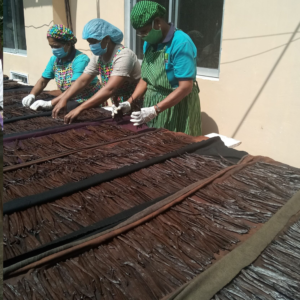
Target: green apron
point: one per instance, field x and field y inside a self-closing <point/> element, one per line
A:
<point x="184" y="116"/>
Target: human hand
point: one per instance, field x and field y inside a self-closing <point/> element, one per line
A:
<point x="124" y="107"/>
<point x="28" y="100"/>
<point x="41" y="105"/>
<point x="72" y="115"/>
<point x="145" y="115"/>
<point x="60" y="106"/>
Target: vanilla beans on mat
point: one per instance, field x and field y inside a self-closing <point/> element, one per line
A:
<point x="20" y="151"/>
<point x="18" y="110"/>
<point x="44" y="122"/>
<point x="274" y="275"/>
<point x="85" y="163"/>
<point x="26" y="230"/>
<point x="153" y="259"/>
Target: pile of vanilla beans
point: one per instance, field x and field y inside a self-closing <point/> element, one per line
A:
<point x="45" y="122"/>
<point x="18" y="110"/>
<point x="20" y="151"/>
<point x="275" y="274"/>
<point x="153" y="259"/>
<point x="25" y="230"/>
<point x="13" y="108"/>
<point x="82" y="164"/>
<point x="11" y="84"/>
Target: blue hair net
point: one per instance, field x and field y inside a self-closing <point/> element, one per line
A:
<point x="98" y="29"/>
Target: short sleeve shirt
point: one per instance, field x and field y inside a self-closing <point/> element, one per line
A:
<point x="124" y="64"/>
<point x="180" y="56"/>
<point x="79" y="63"/>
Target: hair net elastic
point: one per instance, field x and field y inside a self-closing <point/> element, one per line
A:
<point x="98" y="29"/>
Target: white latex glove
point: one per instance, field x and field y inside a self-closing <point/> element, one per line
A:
<point x="28" y="100"/>
<point x="125" y="107"/>
<point x="145" y="115"/>
<point x="41" y="105"/>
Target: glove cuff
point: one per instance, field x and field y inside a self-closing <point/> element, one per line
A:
<point x="154" y="111"/>
<point x="128" y="104"/>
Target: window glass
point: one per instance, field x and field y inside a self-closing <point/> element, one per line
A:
<point x="8" y="31"/>
<point x="202" y="21"/>
<point x="13" y="27"/>
<point x="20" y="27"/>
<point x="139" y="41"/>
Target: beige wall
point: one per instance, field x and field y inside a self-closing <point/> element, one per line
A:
<point x="83" y="11"/>
<point x="59" y="12"/>
<point x="255" y="78"/>
<point x="40" y="12"/>
<point x="36" y="14"/>
<point x="256" y="99"/>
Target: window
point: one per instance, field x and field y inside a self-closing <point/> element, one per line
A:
<point x="13" y="28"/>
<point x="200" y="19"/>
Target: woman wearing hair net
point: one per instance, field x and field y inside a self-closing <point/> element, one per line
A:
<point x="168" y="83"/>
<point x="117" y="65"/>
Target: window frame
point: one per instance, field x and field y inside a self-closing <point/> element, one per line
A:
<point x="16" y="49"/>
<point x="130" y="34"/>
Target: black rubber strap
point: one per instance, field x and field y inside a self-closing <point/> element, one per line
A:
<point x="73" y="187"/>
<point x="50" y="130"/>
<point x="84" y="232"/>
<point x="42" y="114"/>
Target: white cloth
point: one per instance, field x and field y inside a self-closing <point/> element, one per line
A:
<point x="41" y="105"/>
<point x="145" y="115"/>
<point x="229" y="142"/>
<point x="28" y="100"/>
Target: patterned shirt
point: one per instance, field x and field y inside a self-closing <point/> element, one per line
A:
<point x="78" y="65"/>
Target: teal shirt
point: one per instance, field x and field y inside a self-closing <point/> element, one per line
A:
<point x="180" y="56"/>
<point x="78" y="66"/>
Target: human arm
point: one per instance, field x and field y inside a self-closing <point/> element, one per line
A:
<point x="39" y="86"/>
<point x="138" y="93"/>
<point x="148" y="113"/>
<point x="37" y="89"/>
<point x="75" y="88"/>
<point x="45" y="105"/>
<point x="184" y="64"/>
<point x="106" y="92"/>
<point x="184" y="71"/>
<point x="185" y="87"/>
<point x="84" y="73"/>
<point x="47" y="75"/>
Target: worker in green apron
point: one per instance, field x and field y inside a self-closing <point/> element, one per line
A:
<point x="168" y="81"/>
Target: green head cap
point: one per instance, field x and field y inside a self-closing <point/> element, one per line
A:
<point x="144" y="12"/>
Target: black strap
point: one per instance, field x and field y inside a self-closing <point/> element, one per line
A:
<point x="15" y="119"/>
<point x="207" y="147"/>
<point x="85" y="231"/>
<point x="50" y="130"/>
